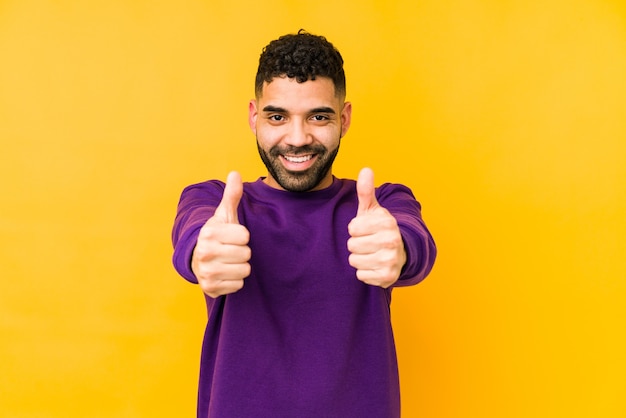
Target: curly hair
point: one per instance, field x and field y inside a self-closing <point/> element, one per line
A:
<point x="302" y="56"/>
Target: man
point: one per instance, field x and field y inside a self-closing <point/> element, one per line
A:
<point x="297" y="267"/>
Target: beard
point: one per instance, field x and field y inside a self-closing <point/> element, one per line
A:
<point x="298" y="181"/>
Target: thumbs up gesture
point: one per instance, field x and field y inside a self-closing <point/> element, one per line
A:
<point x="375" y="244"/>
<point x="220" y="258"/>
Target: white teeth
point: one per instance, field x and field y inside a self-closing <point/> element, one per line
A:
<point x="298" y="159"/>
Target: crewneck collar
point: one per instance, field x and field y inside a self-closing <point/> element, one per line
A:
<point x="325" y="193"/>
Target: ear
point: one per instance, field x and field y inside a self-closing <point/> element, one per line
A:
<point x="252" y="115"/>
<point x="346" y="117"/>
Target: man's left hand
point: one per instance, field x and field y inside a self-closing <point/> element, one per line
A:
<point x="376" y="247"/>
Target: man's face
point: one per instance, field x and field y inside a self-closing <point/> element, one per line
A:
<point x="298" y="127"/>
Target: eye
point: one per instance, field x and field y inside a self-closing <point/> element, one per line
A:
<point x="277" y="118"/>
<point x="319" y="118"/>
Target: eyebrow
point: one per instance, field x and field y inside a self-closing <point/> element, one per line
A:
<point x="322" y="109"/>
<point x="270" y="108"/>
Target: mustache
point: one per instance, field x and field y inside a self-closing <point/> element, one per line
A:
<point x="291" y="150"/>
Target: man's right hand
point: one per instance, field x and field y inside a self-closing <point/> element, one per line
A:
<point x="220" y="258"/>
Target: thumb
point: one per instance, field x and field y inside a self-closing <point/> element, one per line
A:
<point x="227" y="209"/>
<point x="365" y="191"/>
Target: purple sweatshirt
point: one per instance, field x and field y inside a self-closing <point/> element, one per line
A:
<point x="303" y="337"/>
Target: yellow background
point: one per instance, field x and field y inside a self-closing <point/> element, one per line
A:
<point x="506" y="117"/>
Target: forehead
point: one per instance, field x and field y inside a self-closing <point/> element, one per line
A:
<point x="311" y="93"/>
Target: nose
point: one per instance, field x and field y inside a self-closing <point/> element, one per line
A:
<point x="298" y="135"/>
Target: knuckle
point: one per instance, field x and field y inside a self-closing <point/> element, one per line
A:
<point x="208" y="230"/>
<point x="391" y="240"/>
<point x="237" y="285"/>
<point x="201" y="271"/>
<point x="205" y="274"/>
<point x="204" y="252"/>
<point x="352" y="260"/>
<point x="209" y="287"/>
<point x="385" y="259"/>
<point x="246" y="271"/>
<point x="247" y="254"/>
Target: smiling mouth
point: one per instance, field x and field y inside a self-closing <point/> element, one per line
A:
<point x="298" y="159"/>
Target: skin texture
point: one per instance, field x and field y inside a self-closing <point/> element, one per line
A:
<point x="298" y="128"/>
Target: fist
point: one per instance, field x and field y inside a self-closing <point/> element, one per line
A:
<point x="375" y="244"/>
<point x="220" y="258"/>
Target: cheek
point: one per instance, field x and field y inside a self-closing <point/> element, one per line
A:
<point x="267" y="136"/>
<point x="329" y="137"/>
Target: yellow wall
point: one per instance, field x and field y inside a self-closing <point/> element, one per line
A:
<point x="506" y="117"/>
